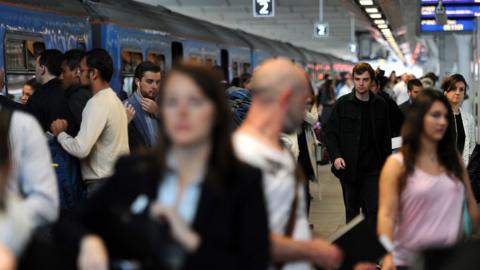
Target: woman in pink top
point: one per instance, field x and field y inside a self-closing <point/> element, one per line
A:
<point x="423" y="187"/>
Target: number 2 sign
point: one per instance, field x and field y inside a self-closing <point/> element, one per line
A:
<point x="263" y="8"/>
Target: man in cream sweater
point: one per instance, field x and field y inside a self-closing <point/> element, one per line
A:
<point x="103" y="135"/>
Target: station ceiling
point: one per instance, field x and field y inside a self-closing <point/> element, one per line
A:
<point x="293" y="22"/>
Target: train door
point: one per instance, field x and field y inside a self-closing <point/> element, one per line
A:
<point x="177" y="52"/>
<point x="224" y="59"/>
<point x="21" y="52"/>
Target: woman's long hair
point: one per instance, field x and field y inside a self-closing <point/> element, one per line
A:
<point x="222" y="160"/>
<point x="448" y="155"/>
<point x="4" y="156"/>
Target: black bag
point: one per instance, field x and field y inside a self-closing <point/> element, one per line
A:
<point x="474" y="171"/>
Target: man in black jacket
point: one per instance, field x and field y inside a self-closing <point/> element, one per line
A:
<point x="414" y="88"/>
<point x="49" y="103"/>
<point x="358" y="141"/>
<point x="77" y="96"/>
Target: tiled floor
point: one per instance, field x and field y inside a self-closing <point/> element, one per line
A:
<point x="327" y="212"/>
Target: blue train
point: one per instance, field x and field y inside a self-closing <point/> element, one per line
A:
<point x="133" y="32"/>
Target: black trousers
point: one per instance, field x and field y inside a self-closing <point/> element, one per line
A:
<point x="361" y="194"/>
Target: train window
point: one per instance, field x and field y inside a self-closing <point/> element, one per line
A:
<point x="81" y="44"/>
<point x="21" y="52"/>
<point x="130" y="61"/>
<point x="235" y="69"/>
<point x="157" y="59"/>
<point x="15" y="54"/>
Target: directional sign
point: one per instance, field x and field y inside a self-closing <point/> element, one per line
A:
<point x="321" y="30"/>
<point x="263" y="8"/>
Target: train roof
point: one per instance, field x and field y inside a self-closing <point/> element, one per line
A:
<point x="143" y="16"/>
<point x="63" y="7"/>
<point x="316" y="57"/>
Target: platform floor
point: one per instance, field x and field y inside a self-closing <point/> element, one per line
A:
<point x="327" y="212"/>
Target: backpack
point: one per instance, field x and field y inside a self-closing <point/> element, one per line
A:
<point x="239" y="100"/>
<point x="71" y="188"/>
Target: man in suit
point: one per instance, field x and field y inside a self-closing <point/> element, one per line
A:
<point x="143" y="129"/>
<point x="414" y="88"/>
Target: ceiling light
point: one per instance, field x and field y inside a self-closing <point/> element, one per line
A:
<point x="382" y="26"/>
<point x="379" y="21"/>
<point x="371" y="10"/>
<point x="366" y="2"/>
<point x="375" y="16"/>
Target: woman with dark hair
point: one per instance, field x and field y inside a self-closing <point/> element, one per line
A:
<point x="425" y="193"/>
<point x="29" y="87"/>
<point x="455" y="88"/>
<point x="188" y="205"/>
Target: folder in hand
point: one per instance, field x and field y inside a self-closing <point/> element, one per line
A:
<point x="359" y="242"/>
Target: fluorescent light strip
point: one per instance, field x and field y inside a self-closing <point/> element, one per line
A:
<point x="371" y="10"/>
<point x="375" y="16"/>
<point x="379" y="21"/>
<point x="382" y="26"/>
<point x="366" y="2"/>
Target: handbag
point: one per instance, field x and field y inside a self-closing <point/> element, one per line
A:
<point x="467" y="221"/>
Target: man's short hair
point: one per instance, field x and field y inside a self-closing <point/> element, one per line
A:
<point x="363" y="67"/>
<point x="412" y="83"/>
<point x="101" y="60"/>
<point x="52" y="60"/>
<point x="143" y="67"/>
<point x="73" y="57"/>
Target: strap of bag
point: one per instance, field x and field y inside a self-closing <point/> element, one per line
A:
<point x="6" y="117"/>
<point x="299" y="178"/>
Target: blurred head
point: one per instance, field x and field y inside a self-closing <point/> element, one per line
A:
<point x="48" y="64"/>
<point x="405" y="77"/>
<point x="245" y="81"/>
<point x="96" y="65"/>
<point x="193" y="111"/>
<point x="70" y="68"/>
<point x="375" y="87"/>
<point x="147" y="79"/>
<point x="414" y="88"/>
<point x="28" y="89"/>
<point x="428" y="119"/>
<point x="363" y="75"/>
<point x="282" y="86"/>
<point x="432" y="77"/>
<point x="455" y="88"/>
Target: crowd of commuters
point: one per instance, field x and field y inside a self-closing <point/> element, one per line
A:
<point x="164" y="180"/>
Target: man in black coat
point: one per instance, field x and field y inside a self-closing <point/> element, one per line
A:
<point x="49" y="103"/>
<point x="77" y="95"/>
<point x="358" y="139"/>
<point x="414" y="88"/>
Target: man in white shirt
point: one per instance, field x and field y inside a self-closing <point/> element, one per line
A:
<point x="103" y="135"/>
<point x="400" y="91"/>
<point x="279" y="105"/>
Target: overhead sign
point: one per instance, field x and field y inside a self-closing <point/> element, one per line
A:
<point x="321" y="30"/>
<point x="263" y="8"/>
<point x="460" y="14"/>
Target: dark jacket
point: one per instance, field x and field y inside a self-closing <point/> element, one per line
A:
<point x="344" y="128"/>
<point x="231" y="219"/>
<point x="396" y="116"/>
<point x="77" y="100"/>
<point x="138" y="133"/>
<point x="404" y="107"/>
<point x="10" y="104"/>
<point x="48" y="103"/>
<point x="474" y="171"/>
